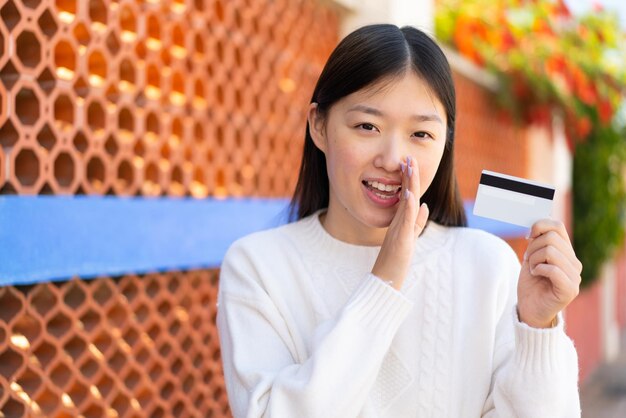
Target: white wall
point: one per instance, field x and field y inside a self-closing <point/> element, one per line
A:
<point x="419" y="13"/>
<point x="610" y="327"/>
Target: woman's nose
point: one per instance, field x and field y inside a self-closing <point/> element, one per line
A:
<point x="390" y="153"/>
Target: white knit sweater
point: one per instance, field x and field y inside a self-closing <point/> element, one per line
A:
<point x="307" y="331"/>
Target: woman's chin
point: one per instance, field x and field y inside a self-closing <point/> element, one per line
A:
<point x="382" y="220"/>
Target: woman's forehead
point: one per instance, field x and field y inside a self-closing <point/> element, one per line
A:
<point x="407" y="90"/>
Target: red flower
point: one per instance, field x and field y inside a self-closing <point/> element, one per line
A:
<point x="508" y="41"/>
<point x="583" y="127"/>
<point x="605" y="111"/>
<point x="585" y="90"/>
<point x="465" y="33"/>
<point x="556" y="64"/>
<point x="561" y="9"/>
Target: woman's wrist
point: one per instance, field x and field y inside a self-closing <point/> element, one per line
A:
<point x="396" y="284"/>
<point x="537" y="323"/>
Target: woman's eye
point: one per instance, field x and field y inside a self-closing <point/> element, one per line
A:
<point x="423" y="134"/>
<point x="366" y="126"/>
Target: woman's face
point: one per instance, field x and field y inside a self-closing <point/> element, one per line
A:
<point x="365" y="136"/>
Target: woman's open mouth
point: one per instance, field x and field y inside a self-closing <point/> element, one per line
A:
<point x="385" y="195"/>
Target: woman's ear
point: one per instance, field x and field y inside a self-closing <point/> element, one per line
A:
<point x="316" y="127"/>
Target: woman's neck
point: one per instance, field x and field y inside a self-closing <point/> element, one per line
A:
<point x="350" y="231"/>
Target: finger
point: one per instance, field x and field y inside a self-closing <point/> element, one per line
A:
<point x="554" y="239"/>
<point x="414" y="178"/>
<point x="407" y="194"/>
<point x="406" y="211"/>
<point x="548" y="224"/>
<point x="399" y="217"/>
<point x="552" y="256"/>
<point x="560" y="281"/>
<point x="414" y="184"/>
<point x="410" y="210"/>
<point x="404" y="179"/>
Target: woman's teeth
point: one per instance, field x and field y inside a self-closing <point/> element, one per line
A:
<point x="383" y="187"/>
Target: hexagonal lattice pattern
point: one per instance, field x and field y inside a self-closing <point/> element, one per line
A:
<point x="204" y="98"/>
<point x="128" y="347"/>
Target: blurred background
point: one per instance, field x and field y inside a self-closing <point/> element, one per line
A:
<point x="138" y="139"/>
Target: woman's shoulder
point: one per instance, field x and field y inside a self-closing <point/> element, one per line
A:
<point x="269" y="241"/>
<point x="259" y="259"/>
<point x="260" y="240"/>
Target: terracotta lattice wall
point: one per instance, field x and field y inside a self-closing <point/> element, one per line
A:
<point x="157" y="98"/>
<point x="175" y="98"/>
<point x="132" y="346"/>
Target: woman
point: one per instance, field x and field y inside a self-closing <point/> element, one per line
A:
<point x="374" y="305"/>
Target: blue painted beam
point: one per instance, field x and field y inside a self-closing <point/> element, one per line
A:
<point x="56" y="237"/>
<point x="48" y="238"/>
<point x="502" y="229"/>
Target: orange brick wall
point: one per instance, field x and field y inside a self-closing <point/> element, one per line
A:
<point x="485" y="137"/>
<point x="584" y="325"/>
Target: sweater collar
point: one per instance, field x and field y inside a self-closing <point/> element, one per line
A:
<point x="433" y="236"/>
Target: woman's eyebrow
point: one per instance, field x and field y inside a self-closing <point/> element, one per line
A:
<point x="373" y="111"/>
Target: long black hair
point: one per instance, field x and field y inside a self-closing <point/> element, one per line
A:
<point x="364" y="57"/>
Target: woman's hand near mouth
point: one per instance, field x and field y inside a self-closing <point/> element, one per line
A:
<point x="410" y="219"/>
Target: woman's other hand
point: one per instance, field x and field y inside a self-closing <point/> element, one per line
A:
<point x="395" y="255"/>
<point x="550" y="276"/>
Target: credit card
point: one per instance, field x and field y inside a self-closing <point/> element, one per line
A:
<point x="513" y="199"/>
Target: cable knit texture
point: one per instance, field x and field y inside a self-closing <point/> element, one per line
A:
<point x="307" y="331"/>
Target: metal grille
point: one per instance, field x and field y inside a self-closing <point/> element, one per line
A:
<point x="177" y="98"/>
<point x="130" y="346"/>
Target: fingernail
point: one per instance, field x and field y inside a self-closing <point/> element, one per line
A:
<point x="402" y="167"/>
<point x="525" y="256"/>
<point x="406" y="194"/>
<point x="408" y="161"/>
<point x="528" y="235"/>
<point x="410" y="171"/>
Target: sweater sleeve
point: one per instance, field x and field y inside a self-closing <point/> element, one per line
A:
<point x="536" y="370"/>
<point x="264" y="376"/>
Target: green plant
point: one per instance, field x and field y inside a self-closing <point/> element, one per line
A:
<point x="599" y="198"/>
